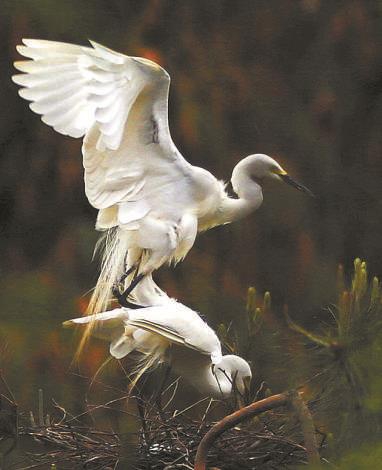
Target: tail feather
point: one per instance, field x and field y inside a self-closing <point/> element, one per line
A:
<point x="113" y="326"/>
<point x="117" y="258"/>
<point x="114" y="245"/>
<point x="149" y="361"/>
<point x="122" y="346"/>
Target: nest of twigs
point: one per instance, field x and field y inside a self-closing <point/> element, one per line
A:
<point x="166" y="440"/>
<point x="71" y="446"/>
<point x="271" y="441"/>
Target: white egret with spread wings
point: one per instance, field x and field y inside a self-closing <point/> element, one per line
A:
<point x="173" y="333"/>
<point x="150" y="199"/>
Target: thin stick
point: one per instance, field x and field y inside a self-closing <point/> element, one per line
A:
<point x="8" y="390"/>
<point x="307" y="426"/>
<point x="40" y="407"/>
<point x="141" y="412"/>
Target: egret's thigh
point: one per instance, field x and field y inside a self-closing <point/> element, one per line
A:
<point x="157" y="235"/>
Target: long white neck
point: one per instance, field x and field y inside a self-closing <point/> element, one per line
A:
<point x="249" y="192"/>
<point x="196" y="369"/>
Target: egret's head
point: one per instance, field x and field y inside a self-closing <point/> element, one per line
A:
<point x="236" y="370"/>
<point x="260" y="167"/>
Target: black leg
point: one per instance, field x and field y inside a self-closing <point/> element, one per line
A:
<point x="166" y="375"/>
<point x="122" y="297"/>
<point x="127" y="273"/>
<point x="132" y="285"/>
<point x="122" y="300"/>
<point x="117" y="286"/>
<point x="117" y="294"/>
<point x="158" y="398"/>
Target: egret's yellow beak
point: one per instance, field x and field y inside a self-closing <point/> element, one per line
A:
<point x="287" y="179"/>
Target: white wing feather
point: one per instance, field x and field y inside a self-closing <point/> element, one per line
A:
<point x="134" y="174"/>
<point x="108" y="319"/>
<point x="178" y="324"/>
<point x="107" y="325"/>
<point x="119" y="103"/>
<point x="172" y="321"/>
<point x="73" y="87"/>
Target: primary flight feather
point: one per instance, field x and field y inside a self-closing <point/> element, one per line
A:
<point x="150" y="199"/>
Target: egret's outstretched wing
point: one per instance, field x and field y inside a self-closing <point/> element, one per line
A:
<point x="119" y="103"/>
<point x="151" y="329"/>
<point x="73" y="87"/>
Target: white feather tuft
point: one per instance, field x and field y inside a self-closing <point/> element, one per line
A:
<point x="114" y="245"/>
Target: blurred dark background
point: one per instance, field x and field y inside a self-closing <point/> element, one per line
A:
<point x="300" y="80"/>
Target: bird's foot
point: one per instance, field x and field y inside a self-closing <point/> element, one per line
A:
<point x="122" y="297"/>
<point x="132" y="285"/>
<point x="123" y="302"/>
<point x="119" y="286"/>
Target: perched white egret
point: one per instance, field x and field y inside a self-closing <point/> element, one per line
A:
<point x="151" y="198"/>
<point x="174" y="333"/>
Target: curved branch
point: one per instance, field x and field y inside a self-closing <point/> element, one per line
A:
<point x="232" y="420"/>
<point x="275" y="401"/>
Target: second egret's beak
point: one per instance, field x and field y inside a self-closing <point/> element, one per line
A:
<point x="247" y="389"/>
<point x="287" y="179"/>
